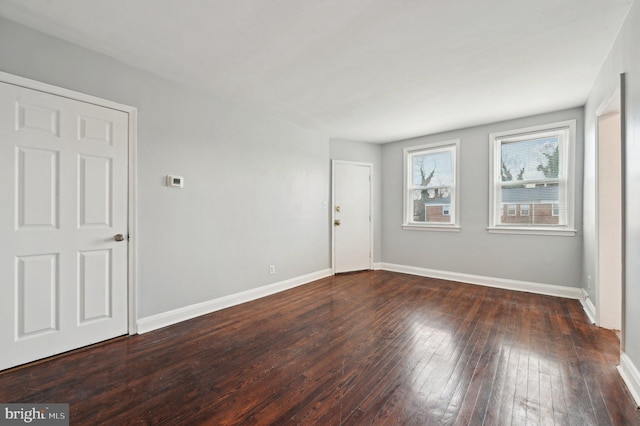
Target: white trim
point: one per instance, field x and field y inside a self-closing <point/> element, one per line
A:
<point x="563" y="232"/>
<point x="605" y="106"/>
<point x="508" y="284"/>
<point x="333" y="208"/>
<point x="377" y="266"/>
<point x="133" y="221"/>
<point x="63" y="92"/>
<point x="629" y="373"/>
<point x="432" y="227"/>
<point x="132" y="113"/>
<point x="588" y="307"/>
<point x="175" y="316"/>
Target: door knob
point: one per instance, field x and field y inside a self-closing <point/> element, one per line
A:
<point x="336" y="222"/>
<point x="119" y="237"/>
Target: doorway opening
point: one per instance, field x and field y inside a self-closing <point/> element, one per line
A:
<point x="609" y="216"/>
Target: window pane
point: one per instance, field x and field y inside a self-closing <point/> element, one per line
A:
<point x="532" y="179"/>
<point x="531" y="205"/>
<point x="433" y="169"/>
<point x="432" y="205"/>
<point x="430" y="186"/>
<point x="530" y="159"/>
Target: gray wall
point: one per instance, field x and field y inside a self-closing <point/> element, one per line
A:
<point x="254" y="186"/>
<point x="535" y="258"/>
<point x="622" y="58"/>
<point x="346" y="150"/>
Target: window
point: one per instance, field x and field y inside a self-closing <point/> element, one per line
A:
<point x="430" y="187"/>
<point x="533" y="169"/>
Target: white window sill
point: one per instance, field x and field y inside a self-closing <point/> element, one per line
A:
<point x="563" y="232"/>
<point x="429" y="227"/>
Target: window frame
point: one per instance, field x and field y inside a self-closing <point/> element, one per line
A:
<point x="408" y="187"/>
<point x="566" y="179"/>
<point x="525" y="208"/>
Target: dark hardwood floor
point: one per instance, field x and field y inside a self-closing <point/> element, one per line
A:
<point x="365" y="348"/>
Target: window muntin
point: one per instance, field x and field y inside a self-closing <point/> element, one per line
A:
<point x="533" y="169"/>
<point x="431" y="176"/>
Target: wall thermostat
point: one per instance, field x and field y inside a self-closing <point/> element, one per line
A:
<point x="175" y="181"/>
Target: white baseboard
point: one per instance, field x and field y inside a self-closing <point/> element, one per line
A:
<point x="587" y="306"/>
<point x="175" y="316"/>
<point x="531" y="287"/>
<point x="631" y="376"/>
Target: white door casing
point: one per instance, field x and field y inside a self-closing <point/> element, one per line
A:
<point x="352" y="216"/>
<point x="65" y="171"/>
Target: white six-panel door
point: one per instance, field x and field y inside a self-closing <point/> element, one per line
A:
<point x="63" y="175"/>
<point x="352" y="226"/>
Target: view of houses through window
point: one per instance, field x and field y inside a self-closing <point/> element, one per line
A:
<point x="530" y="181"/>
<point x="433" y="182"/>
<point x="431" y="185"/>
<point x="532" y="185"/>
<point x="532" y="188"/>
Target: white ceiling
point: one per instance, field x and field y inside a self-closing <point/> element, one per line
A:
<point x="369" y="70"/>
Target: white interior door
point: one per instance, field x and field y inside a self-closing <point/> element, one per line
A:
<point x="352" y="220"/>
<point x="63" y="275"/>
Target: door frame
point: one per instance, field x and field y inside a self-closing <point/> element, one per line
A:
<point x="333" y="208"/>
<point x="132" y="218"/>
<point x="605" y="108"/>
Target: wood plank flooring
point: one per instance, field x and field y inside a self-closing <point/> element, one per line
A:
<point x="365" y="348"/>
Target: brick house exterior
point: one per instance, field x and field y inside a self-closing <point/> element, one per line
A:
<point x="435" y="209"/>
<point x="530" y="206"/>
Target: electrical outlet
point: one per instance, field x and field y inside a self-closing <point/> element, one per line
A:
<point x="272" y="269"/>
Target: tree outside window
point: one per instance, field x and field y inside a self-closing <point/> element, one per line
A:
<point x="431" y="185"/>
<point x="532" y="179"/>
